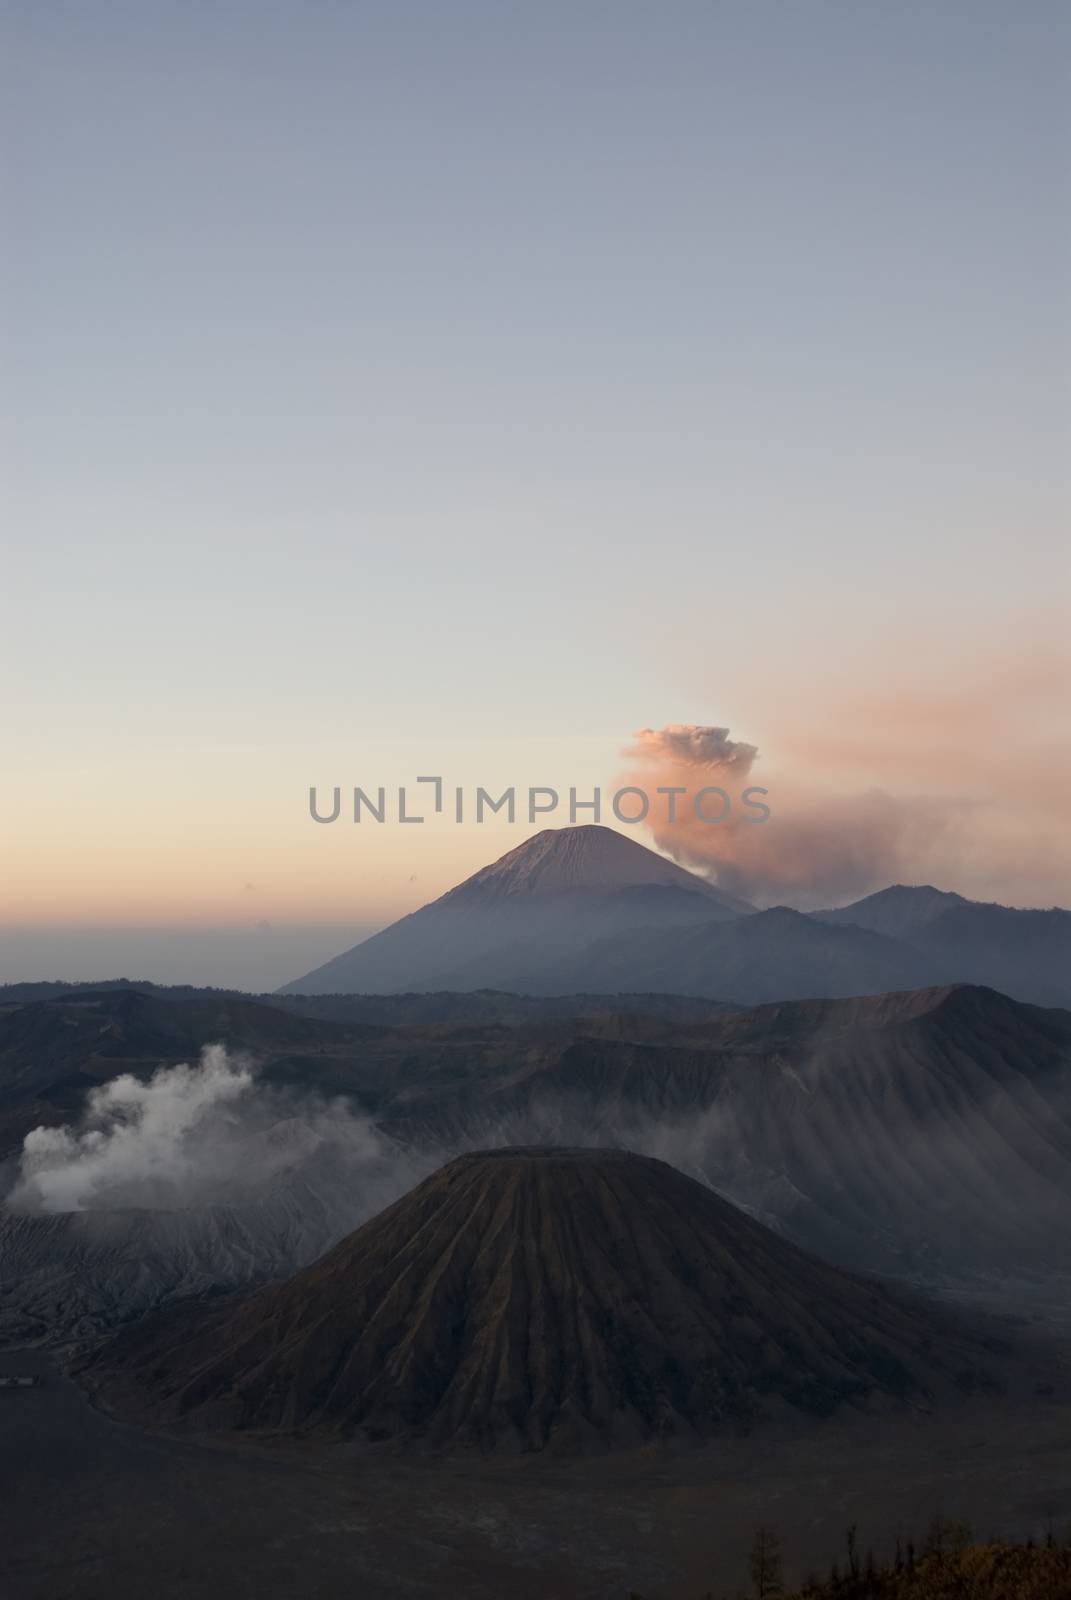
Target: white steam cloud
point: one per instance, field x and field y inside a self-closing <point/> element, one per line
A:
<point x="212" y="1135"/>
<point x="133" y="1135"/>
<point x="195" y="1136"/>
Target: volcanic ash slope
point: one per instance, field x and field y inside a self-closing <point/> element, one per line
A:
<point x="522" y="1299"/>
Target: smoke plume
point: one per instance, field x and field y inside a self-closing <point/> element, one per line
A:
<point x="816" y="848"/>
<point x="195" y="1136"/>
<point x="684" y="744"/>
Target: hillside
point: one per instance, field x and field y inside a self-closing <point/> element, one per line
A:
<point x="1024" y="952"/>
<point x="538" y="906"/>
<point x="524" y="1299"/>
<point x="779" y="954"/>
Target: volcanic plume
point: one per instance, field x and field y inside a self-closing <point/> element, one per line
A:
<point x="817" y="845"/>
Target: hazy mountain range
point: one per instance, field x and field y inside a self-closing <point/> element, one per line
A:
<point x="924" y="1134"/>
<point x="587" y="909"/>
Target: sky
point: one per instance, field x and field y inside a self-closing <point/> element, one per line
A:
<point x="408" y="388"/>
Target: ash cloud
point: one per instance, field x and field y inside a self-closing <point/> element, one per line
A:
<point x="817" y="848"/>
<point x="200" y="1135"/>
<point x="694" y="746"/>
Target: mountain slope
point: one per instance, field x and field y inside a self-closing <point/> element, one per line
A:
<point x="925" y="1134"/>
<point x="558" y="860"/>
<point x="520" y="1299"/>
<point x="540" y="904"/>
<point x="76" y="1273"/>
<point x="901" y="911"/>
<point x="52" y="1052"/>
<point x="770" y="955"/>
<point x="1025" y="953"/>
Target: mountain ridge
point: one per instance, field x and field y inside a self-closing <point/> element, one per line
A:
<point x="587" y="908"/>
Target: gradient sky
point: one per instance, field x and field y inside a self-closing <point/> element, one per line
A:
<point x="458" y="387"/>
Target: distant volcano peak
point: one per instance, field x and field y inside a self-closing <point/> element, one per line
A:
<point x="588" y="856"/>
<point x="541" y="904"/>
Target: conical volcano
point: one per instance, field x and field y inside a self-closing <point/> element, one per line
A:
<point x="586" y="857"/>
<point x="513" y="923"/>
<point x="525" y="1298"/>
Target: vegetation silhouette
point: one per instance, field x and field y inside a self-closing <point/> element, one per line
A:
<point x="947" y="1566"/>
